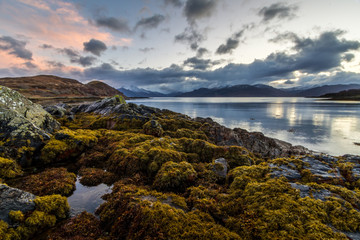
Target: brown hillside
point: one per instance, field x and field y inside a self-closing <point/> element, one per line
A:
<point x="47" y="86"/>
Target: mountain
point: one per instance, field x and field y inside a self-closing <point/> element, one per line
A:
<point x="238" y="91"/>
<point x="48" y="86"/>
<point x="352" y="94"/>
<point x="261" y="90"/>
<point x="139" y="92"/>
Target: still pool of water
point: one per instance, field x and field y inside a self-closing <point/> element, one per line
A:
<point x="87" y="198"/>
<point x="325" y="126"/>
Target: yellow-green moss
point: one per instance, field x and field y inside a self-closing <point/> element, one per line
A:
<point x="175" y="176"/>
<point x="9" y="168"/>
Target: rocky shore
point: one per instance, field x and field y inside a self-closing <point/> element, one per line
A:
<point x="173" y="177"/>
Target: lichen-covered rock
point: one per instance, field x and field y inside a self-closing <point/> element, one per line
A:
<point x="321" y="170"/>
<point x="290" y="172"/>
<point x="23" y="126"/>
<point x="58" y="110"/>
<point x="154" y="128"/>
<point x="307" y="191"/>
<point x="220" y="167"/>
<point x="13" y="199"/>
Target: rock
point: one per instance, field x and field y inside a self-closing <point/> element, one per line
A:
<point x="255" y="142"/>
<point x="56" y="110"/>
<point x="23" y="126"/>
<point x="154" y="128"/>
<point x="13" y="199"/>
<point x="320" y="169"/>
<point x="286" y="171"/>
<point x="220" y="167"/>
<point x="307" y="191"/>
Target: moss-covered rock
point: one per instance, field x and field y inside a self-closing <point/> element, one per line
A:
<point x="51" y="181"/>
<point x="9" y="168"/>
<point x="96" y="176"/>
<point x="175" y="176"/>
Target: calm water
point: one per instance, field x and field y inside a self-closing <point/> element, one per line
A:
<point x="326" y="126"/>
<point x="87" y="198"/>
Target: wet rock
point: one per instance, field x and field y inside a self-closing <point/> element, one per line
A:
<point x="353" y="235"/>
<point x="23" y="125"/>
<point x="320" y="169"/>
<point x="286" y="171"/>
<point x="220" y="167"/>
<point x="13" y="199"/>
<point x="307" y="191"/>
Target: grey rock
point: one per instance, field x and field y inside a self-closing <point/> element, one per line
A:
<point x="320" y="169"/>
<point x="220" y="167"/>
<point x="352" y="235"/>
<point x="13" y="199"/>
<point x="286" y="171"/>
<point x="307" y="191"/>
<point x="56" y="110"/>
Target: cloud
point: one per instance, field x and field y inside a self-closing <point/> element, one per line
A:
<point x="312" y="57"/>
<point x="277" y="10"/>
<point x="75" y="57"/>
<point x="15" y="47"/>
<point x="55" y="64"/>
<point x="150" y="22"/>
<point x="115" y="24"/>
<point x="201" y="52"/>
<point x="196" y="9"/>
<point x="95" y="47"/>
<point x="145" y="50"/>
<point x="176" y="3"/>
<point x="320" y="54"/>
<point x="190" y="36"/>
<point x="349" y="57"/>
<point x="30" y="65"/>
<point x="71" y="53"/>
<point x="84" y="61"/>
<point x="231" y="43"/>
<point x="46" y="46"/>
<point x="200" y="64"/>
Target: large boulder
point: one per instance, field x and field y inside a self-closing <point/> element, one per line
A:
<point x="13" y="199"/>
<point x="23" y="126"/>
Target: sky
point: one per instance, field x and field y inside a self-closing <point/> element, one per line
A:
<point x="182" y="45"/>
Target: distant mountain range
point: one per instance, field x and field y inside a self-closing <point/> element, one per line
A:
<point x="259" y="90"/>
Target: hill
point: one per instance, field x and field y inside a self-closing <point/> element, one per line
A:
<point x="139" y="92"/>
<point x="352" y="94"/>
<point x="47" y="87"/>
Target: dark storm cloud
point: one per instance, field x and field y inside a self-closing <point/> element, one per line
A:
<point x="231" y="43"/>
<point x="95" y="47"/>
<point x="277" y="10"/>
<point x="195" y="9"/>
<point x="145" y="50"/>
<point x="176" y="3"/>
<point x="15" y="47"/>
<point x="46" y="46"/>
<point x="199" y="63"/>
<point x="315" y="55"/>
<point x="115" y="24"/>
<point x="201" y="52"/>
<point x="191" y="37"/>
<point x="84" y="61"/>
<point x="150" y="22"/>
<point x="311" y="56"/>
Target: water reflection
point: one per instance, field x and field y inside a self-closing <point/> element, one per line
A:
<point x="86" y="198"/>
<point x="326" y="126"/>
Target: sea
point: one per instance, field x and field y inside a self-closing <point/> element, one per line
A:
<point x="331" y="127"/>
